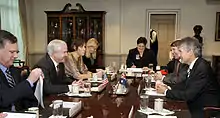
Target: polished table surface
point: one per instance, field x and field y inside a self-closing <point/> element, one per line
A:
<point x="106" y="105"/>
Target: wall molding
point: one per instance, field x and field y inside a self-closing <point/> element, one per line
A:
<point x="163" y="11"/>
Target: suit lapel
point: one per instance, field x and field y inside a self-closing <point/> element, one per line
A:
<point x="192" y="72"/>
<point x="53" y="73"/>
<point x="3" y="78"/>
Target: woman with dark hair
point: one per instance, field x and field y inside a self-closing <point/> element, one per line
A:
<point x="74" y="66"/>
<point x="141" y="56"/>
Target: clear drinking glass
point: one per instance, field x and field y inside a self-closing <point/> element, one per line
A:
<point x="144" y="99"/>
<point x="75" y="89"/>
<point x="58" y="108"/>
<point x="151" y="66"/>
<point x="87" y="87"/>
<point x="148" y="82"/>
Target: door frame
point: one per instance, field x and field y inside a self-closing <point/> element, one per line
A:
<point x="163" y="11"/>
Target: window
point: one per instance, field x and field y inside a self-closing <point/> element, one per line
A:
<point x="10" y="21"/>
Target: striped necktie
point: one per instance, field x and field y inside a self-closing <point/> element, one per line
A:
<point x="10" y="78"/>
<point x="188" y="73"/>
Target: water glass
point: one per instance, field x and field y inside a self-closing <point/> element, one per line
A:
<point x="144" y="99"/>
<point x="58" y="108"/>
<point x="148" y="82"/>
<point x="158" y="105"/>
<point x="34" y="110"/>
<point x="75" y="89"/>
<point x="87" y="87"/>
<point x="151" y="66"/>
<point x="95" y="77"/>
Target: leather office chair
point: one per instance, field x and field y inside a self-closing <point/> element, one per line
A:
<point x="212" y="112"/>
<point x="25" y="70"/>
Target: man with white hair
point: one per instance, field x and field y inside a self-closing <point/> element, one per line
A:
<point x="201" y="88"/>
<point x="52" y="66"/>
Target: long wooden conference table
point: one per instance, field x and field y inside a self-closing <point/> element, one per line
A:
<point x="106" y="105"/>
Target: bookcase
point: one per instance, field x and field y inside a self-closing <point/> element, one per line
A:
<point x="71" y="24"/>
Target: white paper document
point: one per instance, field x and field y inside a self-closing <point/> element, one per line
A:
<point x="78" y="95"/>
<point x="158" y="116"/>
<point x="39" y="92"/>
<point x="135" y="70"/>
<point x="76" y="107"/>
<point x="20" y="115"/>
<point x="154" y="93"/>
<point x="164" y="112"/>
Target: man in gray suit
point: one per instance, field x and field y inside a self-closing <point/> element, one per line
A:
<point x="201" y="88"/>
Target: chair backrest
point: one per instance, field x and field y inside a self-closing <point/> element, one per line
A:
<point x="211" y="112"/>
<point x="19" y="62"/>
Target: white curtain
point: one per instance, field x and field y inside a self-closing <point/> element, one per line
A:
<point x="10" y="21"/>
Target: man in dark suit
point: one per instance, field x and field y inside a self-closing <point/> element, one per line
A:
<point x="55" y="80"/>
<point x="201" y="88"/>
<point x="15" y="93"/>
<point x="141" y="56"/>
<point x="177" y="71"/>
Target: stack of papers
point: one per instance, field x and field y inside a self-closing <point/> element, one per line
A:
<point x="154" y="93"/>
<point x="101" y="86"/>
<point x="78" y="95"/>
<point x="20" y="115"/>
<point x="135" y="70"/>
<point x="164" y="112"/>
<point x="158" y="116"/>
<point x="74" y="108"/>
<point x="57" y="116"/>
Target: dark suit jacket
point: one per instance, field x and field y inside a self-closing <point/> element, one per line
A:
<point x="199" y="90"/>
<point x="22" y="95"/>
<point x="178" y="75"/>
<point x="53" y="83"/>
<point x="147" y="58"/>
<point x="97" y="63"/>
<point x="171" y="65"/>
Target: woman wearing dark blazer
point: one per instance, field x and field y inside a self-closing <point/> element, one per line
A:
<point x="141" y="56"/>
<point x="92" y="58"/>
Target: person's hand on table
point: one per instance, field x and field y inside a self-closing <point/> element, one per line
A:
<point x="3" y="115"/>
<point x="145" y="69"/>
<point x="161" y="87"/>
<point x="133" y="66"/>
<point x="158" y="76"/>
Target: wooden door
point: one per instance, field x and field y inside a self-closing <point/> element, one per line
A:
<point x="164" y="25"/>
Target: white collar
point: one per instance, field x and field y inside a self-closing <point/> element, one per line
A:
<point x="180" y="60"/>
<point x="192" y="63"/>
<point x="54" y="62"/>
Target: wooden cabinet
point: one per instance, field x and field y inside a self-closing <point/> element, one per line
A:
<point x="71" y="24"/>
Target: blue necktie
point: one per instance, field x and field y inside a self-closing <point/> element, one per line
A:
<point x="10" y="78"/>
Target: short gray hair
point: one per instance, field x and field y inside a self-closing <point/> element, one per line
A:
<point x="190" y="43"/>
<point x="54" y="45"/>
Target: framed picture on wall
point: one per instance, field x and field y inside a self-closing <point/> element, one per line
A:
<point x="217" y="29"/>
